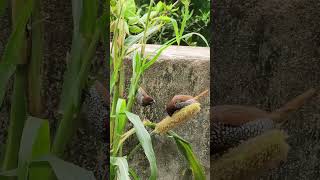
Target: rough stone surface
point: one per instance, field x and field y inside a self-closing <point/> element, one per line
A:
<point x="180" y="70"/>
<point x="264" y="53"/>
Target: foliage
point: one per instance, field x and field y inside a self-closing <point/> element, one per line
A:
<point x="29" y="153"/>
<point x="131" y="27"/>
<point x="200" y="23"/>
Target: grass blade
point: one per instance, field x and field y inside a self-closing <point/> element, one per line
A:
<point x="71" y="108"/>
<point x="34" y="71"/>
<point x="88" y="18"/>
<point x="16" y="40"/>
<point x="133" y="39"/>
<point x="74" y="63"/>
<point x="145" y="140"/>
<point x="6" y="71"/>
<point x="18" y="117"/>
<point x="186" y="150"/>
<point x="123" y="168"/>
<point x="35" y="142"/>
<point x="64" y="170"/>
<point x="133" y="174"/>
<point x="120" y="123"/>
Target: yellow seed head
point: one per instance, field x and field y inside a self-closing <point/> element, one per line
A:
<point x="251" y="158"/>
<point x="177" y="118"/>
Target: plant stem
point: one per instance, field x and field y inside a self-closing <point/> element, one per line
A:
<point x="34" y="72"/>
<point x="66" y="127"/>
<point x="18" y="112"/>
<point x="18" y="117"/>
<point x="144" y="40"/>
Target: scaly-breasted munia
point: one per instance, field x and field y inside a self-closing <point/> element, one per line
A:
<point x="180" y="101"/>
<point x="143" y="98"/>
<point x="231" y="124"/>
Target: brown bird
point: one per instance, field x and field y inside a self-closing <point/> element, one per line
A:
<point x="180" y="101"/>
<point x="143" y="98"/>
<point x="102" y="90"/>
<point x="231" y="124"/>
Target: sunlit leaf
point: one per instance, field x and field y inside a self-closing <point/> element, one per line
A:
<point x="130" y="8"/>
<point x="186" y="150"/>
<point x="133" y="39"/>
<point x="122" y="167"/>
<point x="145" y="141"/>
<point x="133" y="174"/>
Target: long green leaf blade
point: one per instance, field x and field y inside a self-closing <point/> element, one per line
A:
<point x="18" y="116"/>
<point x="186" y="150"/>
<point x="12" y="52"/>
<point x="133" y="39"/>
<point x="145" y="140"/>
<point x="35" y="142"/>
<point x="6" y="71"/>
<point x="123" y="168"/>
<point x="64" y="170"/>
<point x="35" y="64"/>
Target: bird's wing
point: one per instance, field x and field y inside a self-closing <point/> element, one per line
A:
<point x="236" y="115"/>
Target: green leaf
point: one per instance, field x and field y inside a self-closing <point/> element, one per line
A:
<point x="168" y="44"/>
<point x="130" y="8"/>
<point x="186" y="150"/>
<point x="160" y="6"/>
<point x="64" y="170"/>
<point x="18" y="116"/>
<point x="35" y="142"/>
<point x="88" y="17"/>
<point x="12" y="52"/>
<point x="145" y="141"/>
<point x="74" y="65"/>
<point x="135" y="29"/>
<point x="120" y="110"/>
<point x="123" y="168"/>
<point x="133" y="20"/>
<point x="6" y="71"/>
<point x="176" y="29"/>
<point x="120" y="123"/>
<point x="136" y="63"/>
<point x="133" y="39"/>
<point x="133" y="174"/>
<point x="3" y="6"/>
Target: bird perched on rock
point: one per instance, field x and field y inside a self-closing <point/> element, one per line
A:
<point x="143" y="98"/>
<point x="180" y="101"/>
<point x="231" y="124"/>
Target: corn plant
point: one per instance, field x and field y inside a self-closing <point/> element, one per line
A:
<point x="130" y="32"/>
<point x="29" y="151"/>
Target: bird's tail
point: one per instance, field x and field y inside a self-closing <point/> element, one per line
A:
<point x="204" y="93"/>
<point x="293" y="105"/>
